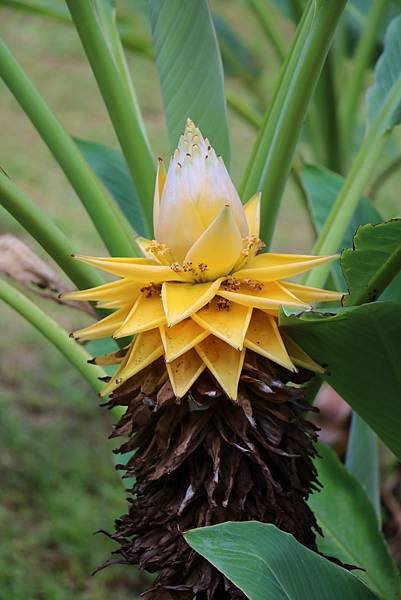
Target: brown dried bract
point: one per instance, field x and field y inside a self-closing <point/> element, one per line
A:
<point x="206" y="460"/>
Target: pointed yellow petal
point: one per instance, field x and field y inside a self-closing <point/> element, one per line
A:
<point x="228" y="325"/>
<point x="269" y="267"/>
<point x="180" y="300"/>
<point x="121" y="289"/>
<point x="263" y="337"/>
<point x="138" y="269"/>
<point x="112" y="358"/>
<point x="310" y="294"/>
<point x="299" y="357"/>
<point x="160" y="181"/>
<point x="270" y="297"/>
<point x="224" y="363"/>
<point x="104" y="328"/>
<point x="146" y="348"/>
<point x="147" y="313"/>
<point x="182" y="337"/>
<point x="218" y="248"/>
<point x="184" y="371"/>
<point x="252" y="214"/>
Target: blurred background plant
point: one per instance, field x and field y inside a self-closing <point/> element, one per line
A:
<point x="58" y="482"/>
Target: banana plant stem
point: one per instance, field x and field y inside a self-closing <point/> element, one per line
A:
<point x="123" y="112"/>
<point x="46" y="233"/>
<point x="105" y="215"/>
<point x="271" y="159"/>
<point x="72" y="351"/>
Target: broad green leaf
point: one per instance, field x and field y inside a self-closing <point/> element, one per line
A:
<point x="111" y="168"/>
<point x="387" y="82"/>
<point x="362" y="351"/>
<point x="265" y="563"/>
<point x="322" y="187"/>
<point x="190" y="70"/>
<point x="363" y="460"/>
<point x="350" y="527"/>
<point x="373" y="262"/>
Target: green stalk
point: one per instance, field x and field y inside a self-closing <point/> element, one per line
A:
<point x="105" y="215"/>
<point x="360" y="64"/>
<point x="72" y="351"/>
<point x="46" y="233"/>
<point x="267" y="19"/>
<point x="118" y="100"/>
<point x="107" y="17"/>
<point x="270" y="162"/>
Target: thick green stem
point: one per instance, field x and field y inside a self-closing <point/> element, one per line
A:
<point x="268" y="22"/>
<point x="360" y="64"/>
<point x="107" y="17"/>
<point x="118" y="100"/>
<point x="105" y="215"/>
<point x="72" y="351"/>
<point x="271" y="158"/>
<point x="46" y="233"/>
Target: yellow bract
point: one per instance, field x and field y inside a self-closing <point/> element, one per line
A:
<point x="203" y="293"/>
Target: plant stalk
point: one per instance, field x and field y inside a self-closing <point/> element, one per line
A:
<point x="106" y="217"/>
<point x="270" y="162"/>
<point x="72" y="351"/>
<point x="46" y="233"/>
<point x="123" y="112"/>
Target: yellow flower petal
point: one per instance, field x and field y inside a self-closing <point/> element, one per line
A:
<point x="270" y="267"/>
<point x="160" y="181"/>
<point x="115" y="290"/>
<point x="228" y="325"/>
<point x="138" y="269"/>
<point x="263" y="337"/>
<point x="104" y="328"/>
<point x="146" y="348"/>
<point x="147" y="313"/>
<point x="218" y="248"/>
<point x="224" y="363"/>
<point x="182" y="337"/>
<point x="180" y="300"/>
<point x="270" y="297"/>
<point x="112" y="358"/>
<point x="252" y="214"/>
<point x="299" y="357"/>
<point x="184" y="371"/>
<point x="310" y="294"/>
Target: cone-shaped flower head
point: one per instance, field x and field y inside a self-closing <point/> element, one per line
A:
<point x="204" y="292"/>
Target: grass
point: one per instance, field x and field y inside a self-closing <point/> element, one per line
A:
<point x="58" y="481"/>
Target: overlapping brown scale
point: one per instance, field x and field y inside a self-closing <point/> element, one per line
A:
<point x="205" y="460"/>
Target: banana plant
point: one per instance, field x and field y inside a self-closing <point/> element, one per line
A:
<point x="216" y="352"/>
